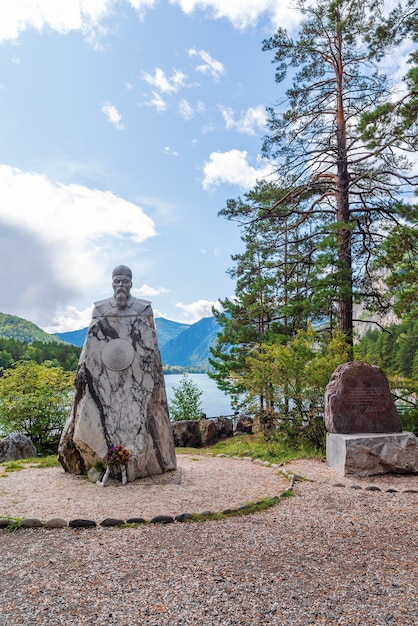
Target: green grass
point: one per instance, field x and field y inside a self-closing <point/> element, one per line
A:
<point x="38" y="462"/>
<point x="15" y="523"/>
<point x="258" y="447"/>
<point x="246" y="509"/>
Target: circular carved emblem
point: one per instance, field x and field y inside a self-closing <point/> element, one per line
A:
<point x="118" y="354"/>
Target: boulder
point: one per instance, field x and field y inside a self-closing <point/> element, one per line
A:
<point x="204" y="432"/>
<point x="16" y="446"/>
<point x="243" y="424"/>
<point x="370" y="454"/>
<point x="358" y="400"/>
<point x="187" y="434"/>
<point x="208" y="431"/>
<point x="224" y="426"/>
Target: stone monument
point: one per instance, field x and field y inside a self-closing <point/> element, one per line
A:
<point x="364" y="428"/>
<point x="120" y="397"/>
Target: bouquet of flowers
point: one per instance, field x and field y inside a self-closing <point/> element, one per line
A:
<point x="119" y="454"/>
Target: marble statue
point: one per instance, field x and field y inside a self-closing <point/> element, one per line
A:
<point x="120" y="398"/>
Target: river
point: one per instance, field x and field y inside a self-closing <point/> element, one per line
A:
<point x="214" y="401"/>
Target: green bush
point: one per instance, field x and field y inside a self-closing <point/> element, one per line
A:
<point x="186" y="404"/>
<point x="35" y="400"/>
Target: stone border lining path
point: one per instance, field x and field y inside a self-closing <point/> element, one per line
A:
<point x="8" y="523"/>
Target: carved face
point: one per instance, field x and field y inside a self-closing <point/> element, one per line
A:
<point x="121" y="289"/>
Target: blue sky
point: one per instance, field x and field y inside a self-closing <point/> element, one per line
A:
<point x="125" y="127"/>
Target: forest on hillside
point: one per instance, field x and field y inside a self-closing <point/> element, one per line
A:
<point x="394" y="349"/>
<point x="58" y="354"/>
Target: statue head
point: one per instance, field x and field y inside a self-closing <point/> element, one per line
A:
<point x="122" y="283"/>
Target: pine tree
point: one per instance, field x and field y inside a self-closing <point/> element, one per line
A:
<point x="342" y="191"/>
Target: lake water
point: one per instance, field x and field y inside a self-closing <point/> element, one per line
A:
<point x="214" y="401"/>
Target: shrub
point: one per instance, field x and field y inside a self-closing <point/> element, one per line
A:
<point x="35" y="399"/>
<point x="186" y="404"/>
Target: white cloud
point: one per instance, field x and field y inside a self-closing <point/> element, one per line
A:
<point x="209" y="66"/>
<point x="242" y="13"/>
<point x="186" y="110"/>
<point x="57" y="238"/>
<point x="164" y="83"/>
<point x="141" y="5"/>
<point x="195" y="311"/>
<point x="62" y="16"/>
<point x="86" y="16"/>
<point x="232" y="167"/>
<point x="146" y="291"/>
<point x="113" y="115"/>
<point x="70" y="318"/>
<point x="170" y="151"/>
<point x="251" y="119"/>
<point x="157" y="102"/>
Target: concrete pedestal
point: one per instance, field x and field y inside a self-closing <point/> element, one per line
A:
<point x="368" y="454"/>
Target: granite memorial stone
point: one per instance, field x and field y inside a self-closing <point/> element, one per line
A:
<point x="364" y="428"/>
<point x="120" y="397"/>
<point x="358" y="400"/>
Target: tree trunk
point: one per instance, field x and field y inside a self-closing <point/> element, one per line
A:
<point x="345" y="300"/>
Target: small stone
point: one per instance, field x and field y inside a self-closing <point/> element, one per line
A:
<point x="56" y="522"/>
<point x="355" y="487"/>
<point x="111" y="521"/>
<point x="82" y="523"/>
<point x="94" y="475"/>
<point x="183" y="517"/>
<point x="410" y="491"/>
<point x="372" y="488"/>
<point x="228" y="511"/>
<point x="31" y="522"/>
<point x="207" y="513"/>
<point x="338" y="485"/>
<point x="162" y="519"/>
<point x="4" y="523"/>
<point x="391" y="491"/>
<point x="258" y="461"/>
<point x="136" y="520"/>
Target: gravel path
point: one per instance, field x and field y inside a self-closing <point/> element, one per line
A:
<point x="330" y="555"/>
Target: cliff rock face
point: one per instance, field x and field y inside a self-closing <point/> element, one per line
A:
<point x="120" y="400"/>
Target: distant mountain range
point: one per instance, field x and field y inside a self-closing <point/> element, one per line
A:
<point x="181" y="345"/>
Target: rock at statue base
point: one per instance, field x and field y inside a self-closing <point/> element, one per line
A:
<point x="358" y="400"/>
<point x="373" y="454"/>
<point x="120" y="397"/>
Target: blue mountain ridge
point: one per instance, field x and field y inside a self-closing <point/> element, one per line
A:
<point x="184" y="345"/>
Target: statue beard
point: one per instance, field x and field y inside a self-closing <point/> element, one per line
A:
<point x="121" y="297"/>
